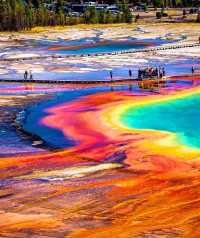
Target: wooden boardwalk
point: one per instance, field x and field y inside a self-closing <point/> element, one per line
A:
<point x="54" y="81"/>
<point x="86" y="82"/>
<point x="187" y="77"/>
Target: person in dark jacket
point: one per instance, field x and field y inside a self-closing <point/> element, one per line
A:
<point x="192" y="70"/>
<point x="111" y="75"/>
<point x="163" y="72"/>
<point x="25" y="75"/>
<point x="130" y="73"/>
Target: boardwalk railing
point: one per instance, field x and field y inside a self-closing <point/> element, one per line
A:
<point x="103" y="81"/>
<point x="151" y="49"/>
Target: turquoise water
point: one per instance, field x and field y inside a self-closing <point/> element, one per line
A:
<point x="180" y="116"/>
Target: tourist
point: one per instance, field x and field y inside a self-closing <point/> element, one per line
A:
<point x="163" y="72"/>
<point x="139" y="73"/>
<point x="160" y="72"/>
<point x="130" y="73"/>
<point x="25" y="75"/>
<point x="111" y="75"/>
<point x="156" y="73"/>
<point x="192" y="70"/>
<point x="31" y="75"/>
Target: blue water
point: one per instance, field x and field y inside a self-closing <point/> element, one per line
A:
<point x="180" y="116"/>
<point x="116" y="46"/>
<point x="103" y="48"/>
<point x="53" y="137"/>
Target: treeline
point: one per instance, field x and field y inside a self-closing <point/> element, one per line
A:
<point x="16" y="15"/>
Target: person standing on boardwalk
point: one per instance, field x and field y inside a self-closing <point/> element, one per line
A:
<point x="139" y="74"/>
<point x="160" y="73"/>
<point x="193" y="82"/>
<point x="163" y="72"/>
<point x="156" y="73"/>
<point x="31" y="75"/>
<point x="130" y="73"/>
<point x="25" y="75"/>
<point x="192" y="70"/>
<point x="111" y="75"/>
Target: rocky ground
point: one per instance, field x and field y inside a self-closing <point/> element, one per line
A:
<point x="13" y="140"/>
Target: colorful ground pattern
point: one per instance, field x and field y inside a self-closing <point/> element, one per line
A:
<point x="114" y="182"/>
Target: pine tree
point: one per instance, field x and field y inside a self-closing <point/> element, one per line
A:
<point x="30" y="16"/>
<point x="59" y="6"/>
<point x="102" y="17"/>
<point x="109" y="18"/>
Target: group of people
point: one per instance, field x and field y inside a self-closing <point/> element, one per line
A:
<point x="150" y="72"/>
<point x="28" y="75"/>
<point x="145" y="73"/>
